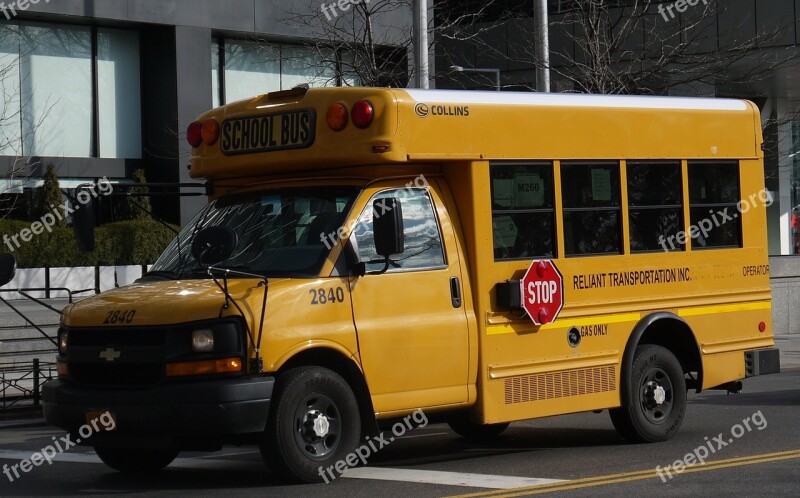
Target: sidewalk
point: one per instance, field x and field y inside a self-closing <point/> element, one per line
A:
<point x="790" y="351"/>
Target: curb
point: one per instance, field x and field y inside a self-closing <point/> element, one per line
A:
<point x="23" y="424"/>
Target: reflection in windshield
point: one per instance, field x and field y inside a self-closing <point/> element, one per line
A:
<point x="281" y="233"/>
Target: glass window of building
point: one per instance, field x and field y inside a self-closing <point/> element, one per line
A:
<point x="243" y="68"/>
<point x="48" y="74"/>
<point x="119" y="94"/>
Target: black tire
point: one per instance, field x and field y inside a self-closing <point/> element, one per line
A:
<point x="136" y="460"/>
<point x="462" y="426"/>
<point x="653" y="397"/>
<point x="310" y="401"/>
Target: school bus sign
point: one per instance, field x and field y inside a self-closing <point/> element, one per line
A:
<point x="542" y="291"/>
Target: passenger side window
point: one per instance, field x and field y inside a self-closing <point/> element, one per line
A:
<point x="423" y="240"/>
<point x="655" y="205"/>
<point x="592" y="211"/>
<point x="714" y="192"/>
<point x="523" y="215"/>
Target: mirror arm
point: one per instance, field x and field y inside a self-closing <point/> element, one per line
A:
<point x="257" y="363"/>
<point x="229" y="298"/>
<point x="361" y="268"/>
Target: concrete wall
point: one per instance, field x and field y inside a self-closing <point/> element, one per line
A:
<point x="785" y="279"/>
<point x="268" y="17"/>
<point x="74" y="279"/>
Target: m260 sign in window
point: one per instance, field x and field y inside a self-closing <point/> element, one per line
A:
<point x="271" y="132"/>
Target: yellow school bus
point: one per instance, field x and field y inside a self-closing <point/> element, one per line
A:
<point x="485" y="257"/>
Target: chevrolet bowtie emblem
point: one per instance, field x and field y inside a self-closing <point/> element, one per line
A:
<point x="110" y="354"/>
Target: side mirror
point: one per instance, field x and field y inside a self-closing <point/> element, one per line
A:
<point x="83" y="225"/>
<point x="8" y="268"/>
<point x="214" y="245"/>
<point x="387" y="221"/>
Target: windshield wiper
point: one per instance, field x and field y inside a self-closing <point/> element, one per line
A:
<point x="164" y="274"/>
<point x="239" y="271"/>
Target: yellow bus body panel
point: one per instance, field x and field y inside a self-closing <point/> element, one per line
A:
<point x="511" y="369"/>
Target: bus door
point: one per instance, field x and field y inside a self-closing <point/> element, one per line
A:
<point x="411" y="321"/>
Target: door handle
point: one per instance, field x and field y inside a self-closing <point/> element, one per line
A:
<point x="455" y="292"/>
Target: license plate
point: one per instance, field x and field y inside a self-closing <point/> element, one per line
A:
<point x="103" y="420"/>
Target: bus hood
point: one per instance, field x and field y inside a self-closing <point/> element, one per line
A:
<point x="163" y="303"/>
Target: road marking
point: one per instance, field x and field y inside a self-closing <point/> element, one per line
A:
<point x="374" y="473"/>
<point x="445" y="478"/>
<point x="635" y="476"/>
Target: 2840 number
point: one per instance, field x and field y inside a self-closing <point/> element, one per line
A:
<point x="118" y="317"/>
<point x="327" y="296"/>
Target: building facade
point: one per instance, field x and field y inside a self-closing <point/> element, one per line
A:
<point x="760" y="39"/>
<point x="103" y="88"/>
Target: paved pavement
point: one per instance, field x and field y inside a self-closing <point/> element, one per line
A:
<point x="747" y="443"/>
<point x="789" y="346"/>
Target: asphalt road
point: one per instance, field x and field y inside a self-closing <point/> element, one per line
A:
<point x="573" y="455"/>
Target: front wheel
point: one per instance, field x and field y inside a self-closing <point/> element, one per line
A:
<point x="314" y="424"/>
<point x="136" y="460"/>
<point x="653" y="398"/>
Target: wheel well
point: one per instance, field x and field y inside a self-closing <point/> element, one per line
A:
<point x="675" y="335"/>
<point x="333" y="360"/>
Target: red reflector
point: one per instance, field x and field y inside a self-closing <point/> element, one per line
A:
<point x="762" y="327"/>
<point x="362" y="114"/>
<point x="337" y="117"/>
<point x="194" y="134"/>
<point x="210" y="132"/>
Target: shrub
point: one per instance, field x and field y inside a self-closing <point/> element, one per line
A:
<point x="137" y="242"/>
<point x="49" y="197"/>
<point x="139" y="206"/>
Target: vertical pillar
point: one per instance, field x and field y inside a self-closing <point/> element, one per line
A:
<point x="785" y="174"/>
<point x="193" y="63"/>
<point x="421" y="73"/>
<point x="542" y="47"/>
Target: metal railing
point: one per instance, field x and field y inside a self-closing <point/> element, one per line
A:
<point x="21" y="383"/>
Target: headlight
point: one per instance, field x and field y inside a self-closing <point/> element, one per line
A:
<point x="63" y="341"/>
<point x="203" y="341"/>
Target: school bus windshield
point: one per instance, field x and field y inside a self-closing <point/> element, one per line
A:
<point x="279" y="232"/>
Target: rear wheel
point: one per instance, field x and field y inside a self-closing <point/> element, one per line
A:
<point x="136" y="460"/>
<point x="653" y="397"/>
<point x="314" y="423"/>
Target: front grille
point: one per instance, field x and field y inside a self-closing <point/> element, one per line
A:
<point x="135" y="357"/>
<point x="122" y="375"/>
<point x="117" y="337"/>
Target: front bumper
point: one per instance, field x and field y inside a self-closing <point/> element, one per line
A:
<point x="209" y="409"/>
